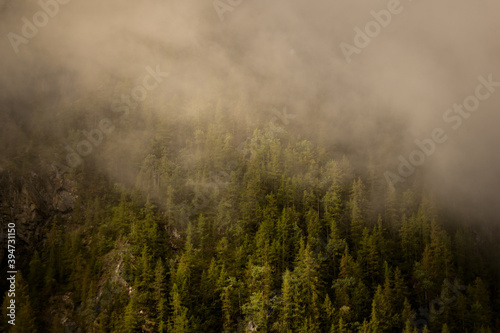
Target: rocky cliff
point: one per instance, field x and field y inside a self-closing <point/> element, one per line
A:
<point x="30" y="200"/>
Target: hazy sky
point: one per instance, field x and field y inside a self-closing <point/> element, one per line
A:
<point x="395" y="90"/>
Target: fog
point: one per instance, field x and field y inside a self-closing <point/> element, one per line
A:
<point x="279" y="53"/>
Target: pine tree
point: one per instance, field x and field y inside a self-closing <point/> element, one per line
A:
<point x="328" y="313"/>
<point x="266" y="233"/>
<point x="445" y="329"/>
<point x="226" y="310"/>
<point x="288" y="236"/>
<point x="361" y="304"/>
<point x="333" y="203"/>
<point x="389" y="296"/>
<point x="409" y="328"/>
<point x="204" y="234"/>
<point x="407" y="312"/>
<point x="181" y="276"/>
<point x="334" y="248"/>
<point x="479" y="299"/>
<point x="255" y="311"/>
<point x="309" y="285"/>
<point x="160" y="297"/>
<point x="380" y="317"/>
<point x="250" y="207"/>
<point x="286" y="316"/>
<point x="259" y="287"/>
<point x="342" y="327"/>
<point x="131" y="320"/>
<point x="357" y="205"/>
<point x="313" y="229"/>
<point x="179" y="318"/>
<point x="368" y="257"/>
<point x="348" y="267"/>
<point x="400" y="289"/>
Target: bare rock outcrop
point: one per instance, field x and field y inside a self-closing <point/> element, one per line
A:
<point x="30" y="200"/>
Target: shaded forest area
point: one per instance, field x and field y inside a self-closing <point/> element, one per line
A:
<point x="227" y="226"/>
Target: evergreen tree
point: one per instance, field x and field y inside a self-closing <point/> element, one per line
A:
<point x="179" y="317"/>
<point x="288" y="236"/>
<point x="160" y="297"/>
<point x="328" y="314"/>
<point x="368" y="257"/>
<point x="357" y="205"/>
<point x="287" y="312"/>
<point x="445" y="329"/>
<point x="380" y="317"/>
<point x="308" y="287"/>
<point x="480" y="314"/>
<point x="131" y="320"/>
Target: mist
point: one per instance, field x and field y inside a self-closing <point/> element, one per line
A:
<point x="274" y="54"/>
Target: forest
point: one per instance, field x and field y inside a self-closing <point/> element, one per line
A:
<point x="172" y="166"/>
<point x="219" y="232"/>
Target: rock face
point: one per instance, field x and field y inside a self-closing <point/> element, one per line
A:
<point x="30" y="201"/>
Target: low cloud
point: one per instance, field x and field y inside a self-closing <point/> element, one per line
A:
<point x="274" y="53"/>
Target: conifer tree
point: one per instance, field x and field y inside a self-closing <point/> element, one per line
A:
<point x="288" y="236"/>
<point x="380" y="316"/>
<point x="266" y="233"/>
<point x="368" y="257"/>
<point x="131" y="320"/>
<point x="160" y="297"/>
<point x="480" y="313"/>
<point x="286" y="316"/>
<point x="445" y="329"/>
<point x="309" y="284"/>
<point x="328" y="313"/>
<point x="357" y="206"/>
<point x="179" y="317"/>
<point x="313" y="229"/>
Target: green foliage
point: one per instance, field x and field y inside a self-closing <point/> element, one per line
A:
<point x="282" y="237"/>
